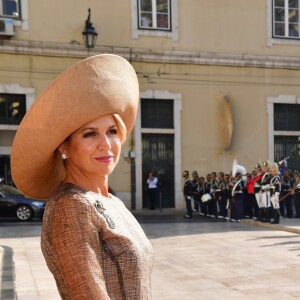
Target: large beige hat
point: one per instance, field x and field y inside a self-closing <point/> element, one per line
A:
<point x="94" y="87"/>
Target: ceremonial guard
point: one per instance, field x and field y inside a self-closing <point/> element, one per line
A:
<point x="237" y="202"/>
<point x="195" y="192"/>
<point x="188" y="190"/>
<point x="286" y="200"/>
<point x="252" y="211"/>
<point x="275" y="189"/>
<point x="208" y="190"/>
<point x="297" y="195"/>
<point x="201" y="192"/>
<point x="220" y="196"/>
<point x="265" y="193"/>
<point x="227" y="194"/>
<point x="257" y="190"/>
<point x="212" y="205"/>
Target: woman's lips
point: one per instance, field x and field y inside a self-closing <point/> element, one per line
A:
<point x="105" y="159"/>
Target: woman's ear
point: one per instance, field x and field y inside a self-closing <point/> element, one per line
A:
<point x="62" y="148"/>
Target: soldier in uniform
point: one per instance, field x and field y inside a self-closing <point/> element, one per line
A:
<point x="257" y="190"/>
<point x="265" y="193"/>
<point x="208" y="190"/>
<point x="195" y="192"/>
<point x="252" y="203"/>
<point x="188" y="190"/>
<point x="201" y="192"/>
<point x="212" y="205"/>
<point x="287" y="193"/>
<point x="297" y="195"/>
<point x="227" y="194"/>
<point x="275" y="188"/>
<point x="220" y="197"/>
<point x="237" y="208"/>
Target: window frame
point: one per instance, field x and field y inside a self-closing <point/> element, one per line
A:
<point x="154" y="14"/>
<point x="286" y="22"/>
<point x="17" y="89"/>
<point x="23" y="19"/>
<point x="14" y="108"/>
<point x="137" y="32"/>
<point x="19" y="6"/>
<point x="281" y="99"/>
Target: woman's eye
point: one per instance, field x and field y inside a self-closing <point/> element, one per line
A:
<point x="89" y="134"/>
<point x="112" y="131"/>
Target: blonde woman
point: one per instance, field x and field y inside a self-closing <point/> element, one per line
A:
<point x="65" y="148"/>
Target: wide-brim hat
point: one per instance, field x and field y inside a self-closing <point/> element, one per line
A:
<point x="94" y="87"/>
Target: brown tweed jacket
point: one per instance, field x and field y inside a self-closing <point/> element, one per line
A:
<point x="94" y="247"/>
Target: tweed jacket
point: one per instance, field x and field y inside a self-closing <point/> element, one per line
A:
<point x="94" y="247"/>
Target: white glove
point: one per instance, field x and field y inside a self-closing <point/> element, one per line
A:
<point x="265" y="187"/>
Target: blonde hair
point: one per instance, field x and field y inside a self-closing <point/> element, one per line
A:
<point x="121" y="126"/>
<point x="274" y="166"/>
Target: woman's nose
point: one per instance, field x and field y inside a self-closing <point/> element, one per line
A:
<point x="104" y="143"/>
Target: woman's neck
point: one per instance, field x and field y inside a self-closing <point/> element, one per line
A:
<point x="96" y="185"/>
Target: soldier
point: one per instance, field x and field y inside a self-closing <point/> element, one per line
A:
<point x="287" y="194"/>
<point x="188" y="189"/>
<point x="297" y="194"/>
<point x="237" y="209"/>
<point x="227" y="194"/>
<point x="253" y="206"/>
<point x="208" y="189"/>
<point x="220" y="196"/>
<point x="257" y="190"/>
<point x="201" y="192"/>
<point x="195" y="192"/>
<point x="275" y="188"/>
<point x="265" y="193"/>
<point x="212" y="205"/>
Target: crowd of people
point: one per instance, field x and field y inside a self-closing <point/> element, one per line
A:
<point x="266" y="194"/>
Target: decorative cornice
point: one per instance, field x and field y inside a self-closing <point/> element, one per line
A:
<point x="149" y="55"/>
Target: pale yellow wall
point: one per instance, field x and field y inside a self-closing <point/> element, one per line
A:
<point x="203" y="110"/>
<point x="32" y="71"/>
<point x="236" y="26"/>
<point x="120" y="179"/>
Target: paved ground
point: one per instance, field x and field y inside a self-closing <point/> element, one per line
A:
<point x="201" y="258"/>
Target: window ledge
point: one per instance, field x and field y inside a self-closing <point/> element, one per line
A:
<point x="8" y="127"/>
<point x="284" y="41"/>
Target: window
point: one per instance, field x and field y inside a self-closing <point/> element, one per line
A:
<point x="286" y="19"/>
<point x="286" y="117"/>
<point x="157" y="113"/>
<point x="10" y="8"/>
<point x="157" y="18"/>
<point x="154" y="14"/>
<point x="12" y="108"/>
<point x="284" y="129"/>
<point x="287" y="146"/>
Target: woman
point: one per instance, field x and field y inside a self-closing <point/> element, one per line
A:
<point x="65" y="148"/>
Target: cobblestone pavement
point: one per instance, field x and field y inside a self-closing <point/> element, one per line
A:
<point x="201" y="258"/>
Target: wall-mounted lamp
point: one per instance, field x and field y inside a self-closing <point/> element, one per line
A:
<point x="89" y="34"/>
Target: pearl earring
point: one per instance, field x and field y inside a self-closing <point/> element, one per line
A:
<point x="64" y="156"/>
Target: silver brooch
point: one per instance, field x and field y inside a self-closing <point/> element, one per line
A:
<point x="101" y="209"/>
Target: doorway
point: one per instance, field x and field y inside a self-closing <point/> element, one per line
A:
<point x="158" y="157"/>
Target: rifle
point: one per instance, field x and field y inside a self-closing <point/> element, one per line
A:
<point x="285" y="196"/>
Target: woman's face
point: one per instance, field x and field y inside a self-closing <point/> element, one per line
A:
<point x="94" y="149"/>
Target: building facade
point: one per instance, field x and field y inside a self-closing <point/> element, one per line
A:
<point x="219" y="80"/>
